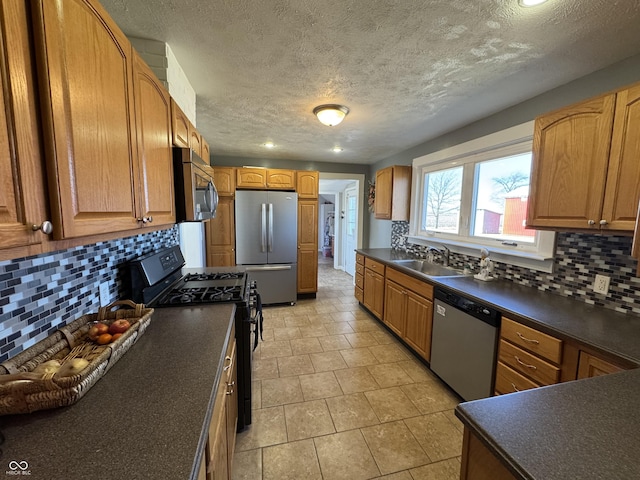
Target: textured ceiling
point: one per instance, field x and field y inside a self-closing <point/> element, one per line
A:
<point x="409" y="70"/>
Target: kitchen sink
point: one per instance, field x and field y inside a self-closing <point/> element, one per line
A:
<point x="429" y="269"/>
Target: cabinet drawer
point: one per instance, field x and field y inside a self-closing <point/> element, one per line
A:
<point x="359" y="259"/>
<point x="418" y="286"/>
<point x="359" y="293"/>
<point x="509" y="381"/>
<point x="541" y="344"/>
<point x="359" y="280"/>
<point x="359" y="269"/>
<point x="528" y="364"/>
<point x="374" y="266"/>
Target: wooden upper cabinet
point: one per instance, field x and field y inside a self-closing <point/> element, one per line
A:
<point x="393" y="193"/>
<point x="251" y="178"/>
<point x="622" y="191"/>
<point x="205" y="152"/>
<point x="195" y="142"/>
<point x="585" y="173"/>
<point x="86" y="82"/>
<point x="265" y="178"/>
<point x="225" y="180"/>
<point x="153" y="127"/>
<point x="278" y="179"/>
<point x="180" y="126"/>
<point x="22" y="191"/>
<point x="307" y="183"/>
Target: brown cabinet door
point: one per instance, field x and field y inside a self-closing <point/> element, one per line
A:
<point x="384" y="182"/>
<point x="180" y="126"/>
<point x="22" y="192"/>
<point x="153" y="126"/>
<point x="622" y="192"/>
<point x="251" y="178"/>
<point x="307" y="246"/>
<point x="374" y="293"/>
<point x="86" y="81"/>
<point x="592" y="366"/>
<point x="307" y="184"/>
<point x="570" y="158"/>
<point x="395" y="304"/>
<point x="195" y="142"/>
<point x="232" y="408"/>
<point x="281" y="179"/>
<point x="204" y="150"/>
<point x="418" y="325"/>
<point x="220" y="235"/>
<point x="225" y="180"/>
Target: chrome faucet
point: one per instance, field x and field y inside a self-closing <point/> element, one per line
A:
<point x="444" y="252"/>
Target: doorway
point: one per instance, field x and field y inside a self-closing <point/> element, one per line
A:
<point x="344" y="191"/>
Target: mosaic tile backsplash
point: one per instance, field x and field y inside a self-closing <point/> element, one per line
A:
<point x="579" y="257"/>
<point x="42" y="293"/>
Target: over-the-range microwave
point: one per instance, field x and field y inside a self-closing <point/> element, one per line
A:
<point x="196" y="194"/>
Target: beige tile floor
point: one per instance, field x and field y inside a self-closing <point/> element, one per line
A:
<point x="338" y="397"/>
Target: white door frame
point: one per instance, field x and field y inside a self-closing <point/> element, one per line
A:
<point x="359" y="178"/>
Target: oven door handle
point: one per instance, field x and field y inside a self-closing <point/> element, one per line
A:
<point x="258" y="321"/>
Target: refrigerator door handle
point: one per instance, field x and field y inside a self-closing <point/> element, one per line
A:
<point x="263" y="243"/>
<point x="271" y="227"/>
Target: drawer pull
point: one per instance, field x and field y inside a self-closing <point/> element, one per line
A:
<point x="515" y="389"/>
<point x="522" y="337"/>
<point x="227" y="359"/>
<point x="532" y="367"/>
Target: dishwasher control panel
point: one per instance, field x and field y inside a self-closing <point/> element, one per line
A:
<point x="471" y="307"/>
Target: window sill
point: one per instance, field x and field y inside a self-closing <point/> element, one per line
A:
<point x="533" y="261"/>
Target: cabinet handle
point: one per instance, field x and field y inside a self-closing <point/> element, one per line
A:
<point x="522" y="337"/>
<point x="532" y="367"/>
<point x="227" y="359"/>
<point x="230" y="392"/>
<point x="591" y="222"/>
<point x="515" y="389"/>
<point x="603" y="222"/>
<point x="45" y="227"/>
<point x="148" y="219"/>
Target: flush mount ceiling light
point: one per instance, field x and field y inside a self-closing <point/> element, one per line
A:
<point x="269" y="145"/>
<point x="530" y="3"/>
<point x="330" y="115"/>
<point x="336" y="149"/>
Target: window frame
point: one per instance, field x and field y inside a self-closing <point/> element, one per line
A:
<point x="512" y="141"/>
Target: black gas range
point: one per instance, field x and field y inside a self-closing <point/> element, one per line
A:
<point x="159" y="280"/>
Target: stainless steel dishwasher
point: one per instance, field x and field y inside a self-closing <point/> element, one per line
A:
<point x="464" y="344"/>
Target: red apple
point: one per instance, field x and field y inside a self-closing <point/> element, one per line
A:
<point x="119" y="326"/>
<point x="101" y="328"/>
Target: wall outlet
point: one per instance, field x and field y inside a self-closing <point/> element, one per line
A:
<point x="105" y="297"/>
<point x="601" y="284"/>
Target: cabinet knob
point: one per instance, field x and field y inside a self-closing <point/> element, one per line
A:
<point x="591" y="222"/>
<point x="148" y="219"/>
<point x="45" y="227"/>
<point x="603" y="222"/>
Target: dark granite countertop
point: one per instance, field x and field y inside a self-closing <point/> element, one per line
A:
<point x="147" y="418"/>
<point x="602" y="329"/>
<point x="586" y="429"/>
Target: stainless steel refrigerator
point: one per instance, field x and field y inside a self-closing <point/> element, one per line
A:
<point x="267" y="242"/>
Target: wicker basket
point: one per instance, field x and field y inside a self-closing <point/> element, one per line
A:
<point x="71" y="341"/>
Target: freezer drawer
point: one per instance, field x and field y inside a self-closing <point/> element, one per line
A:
<point x="276" y="283"/>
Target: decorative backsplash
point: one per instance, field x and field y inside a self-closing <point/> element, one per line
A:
<point x="42" y="293"/>
<point x="579" y="257"/>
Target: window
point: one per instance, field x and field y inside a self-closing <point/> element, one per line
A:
<point x="476" y="195"/>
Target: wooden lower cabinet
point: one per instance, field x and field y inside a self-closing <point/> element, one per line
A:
<point x="222" y="429"/>
<point x="373" y="292"/>
<point x="592" y="366"/>
<point x="478" y="463"/>
<point x="220" y="235"/>
<point x="307" y="246"/>
<point x="408" y="310"/>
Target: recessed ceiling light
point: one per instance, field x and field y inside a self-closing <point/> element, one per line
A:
<point x="530" y="3"/>
<point x="336" y="149"/>
<point x="269" y="145"/>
